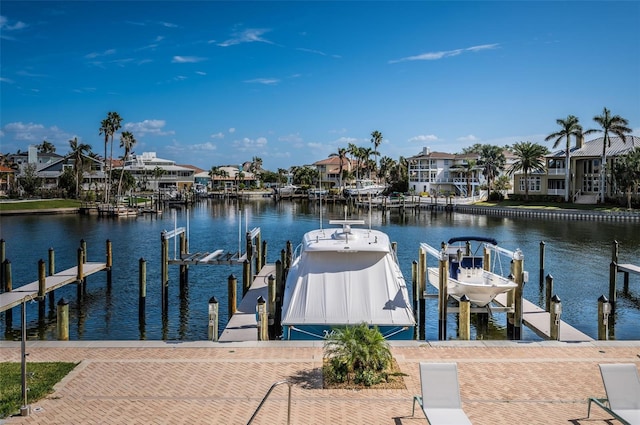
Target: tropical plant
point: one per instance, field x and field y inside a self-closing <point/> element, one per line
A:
<point x="108" y="127"/>
<point x="468" y="167"/>
<point x="357" y="352"/>
<point x="46" y="147"/>
<point x="127" y="141"/>
<point x="568" y="127"/>
<point x="386" y="166"/>
<point x="305" y="175"/>
<point x="29" y="179"/>
<point x="626" y="173"/>
<point x="78" y="153"/>
<point x="610" y="124"/>
<point x="530" y="158"/>
<point x="376" y="139"/>
<point x="492" y="160"/>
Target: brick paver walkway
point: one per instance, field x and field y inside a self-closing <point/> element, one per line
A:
<point x="210" y="383"/>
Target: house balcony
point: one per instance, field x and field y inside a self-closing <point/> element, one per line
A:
<point x="556" y="171"/>
<point x="559" y="192"/>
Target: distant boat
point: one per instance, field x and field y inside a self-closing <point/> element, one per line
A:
<point x="365" y="187"/>
<point x="345" y="276"/>
<point x="468" y="274"/>
<point x="288" y="190"/>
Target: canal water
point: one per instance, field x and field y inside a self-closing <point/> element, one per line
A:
<point x="578" y="254"/>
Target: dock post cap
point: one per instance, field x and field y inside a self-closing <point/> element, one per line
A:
<point x="63" y="301"/>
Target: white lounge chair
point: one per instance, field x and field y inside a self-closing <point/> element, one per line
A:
<point x="622" y="386"/>
<point x="440" y="400"/>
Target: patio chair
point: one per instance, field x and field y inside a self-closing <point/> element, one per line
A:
<point x="440" y="399"/>
<point x="622" y="386"/>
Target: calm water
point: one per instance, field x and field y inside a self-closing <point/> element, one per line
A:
<point x="578" y="254"/>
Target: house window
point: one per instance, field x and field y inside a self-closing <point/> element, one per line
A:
<point x="533" y="183"/>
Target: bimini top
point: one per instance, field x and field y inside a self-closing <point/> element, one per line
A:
<point x="492" y="241"/>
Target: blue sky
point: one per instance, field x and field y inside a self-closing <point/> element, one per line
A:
<point x="213" y="83"/>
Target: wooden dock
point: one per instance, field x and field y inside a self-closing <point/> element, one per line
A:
<point x="243" y="326"/>
<point x="29" y="292"/>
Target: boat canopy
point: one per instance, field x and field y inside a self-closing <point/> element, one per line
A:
<point x="472" y="238"/>
<point x="347" y="288"/>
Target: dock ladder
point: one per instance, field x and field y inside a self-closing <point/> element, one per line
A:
<point x="267" y="396"/>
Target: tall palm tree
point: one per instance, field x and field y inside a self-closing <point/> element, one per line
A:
<point x="386" y="165"/>
<point x="530" y="158"/>
<point x="376" y="139"/>
<point x="568" y="127"/>
<point x="354" y="151"/>
<point x="468" y="167"/>
<point x="108" y="127"/>
<point x="78" y="152"/>
<point x="610" y="124"/>
<point x="127" y="141"/>
<point x="365" y="155"/>
<point x="492" y="161"/>
<point x="46" y="147"/>
<point x="342" y="155"/>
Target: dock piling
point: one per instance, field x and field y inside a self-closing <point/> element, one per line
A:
<point x="554" y="318"/>
<point x="142" y="292"/>
<point x="464" y="318"/>
<point x="542" y="246"/>
<point x="232" y="283"/>
<point x="604" y="309"/>
<point x="213" y="319"/>
<point x="63" y="320"/>
<point x="8" y="287"/>
<point x="42" y="288"/>
<point x="548" y="292"/>
<point x="263" y="320"/>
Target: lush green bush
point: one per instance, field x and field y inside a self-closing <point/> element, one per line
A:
<point x="356" y="353"/>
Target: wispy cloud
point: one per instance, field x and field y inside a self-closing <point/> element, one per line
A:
<point x="34" y="133"/>
<point x="249" y="35"/>
<point x="445" y="54"/>
<point x="153" y="127"/>
<point x="424" y="138"/>
<point x="94" y="55"/>
<point x="469" y="138"/>
<point x="187" y="59"/>
<point x="218" y="135"/>
<point x="6" y="80"/>
<point x="265" y="81"/>
<point x="207" y="146"/>
<point x="6" y="25"/>
<point x="250" y="145"/>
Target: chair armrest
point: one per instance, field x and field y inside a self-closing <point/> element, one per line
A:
<point x="419" y="400"/>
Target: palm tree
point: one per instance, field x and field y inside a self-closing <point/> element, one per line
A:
<point x="386" y="165"/>
<point x="354" y="151"/>
<point x="127" y="141"/>
<point x="468" y="168"/>
<point x="492" y="161"/>
<point x="610" y="124"/>
<point x="530" y="158"/>
<point x="108" y="127"/>
<point x="46" y="147"/>
<point x="342" y="155"/>
<point x="78" y="152"/>
<point x="568" y="127"/>
<point x="376" y="139"/>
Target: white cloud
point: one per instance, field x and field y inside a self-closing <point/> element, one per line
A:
<point x="232" y="130"/>
<point x="153" y="127"/>
<point x="424" y="138"/>
<point x="5" y="25"/>
<point x="249" y="35"/>
<point x="187" y="59"/>
<point x="94" y="55"/>
<point x="446" y="53"/>
<point x="218" y="135"/>
<point x="32" y="133"/>
<point x="470" y="138"/>
<point x="6" y="80"/>
<point x="265" y="81"/>
<point x="207" y="146"/>
<point x="201" y="73"/>
<point x="250" y="145"/>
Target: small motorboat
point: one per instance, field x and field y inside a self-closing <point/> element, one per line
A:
<point x="470" y="271"/>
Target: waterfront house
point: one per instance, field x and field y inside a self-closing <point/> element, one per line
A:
<point x="93" y="174"/>
<point x="443" y="174"/>
<point x="585" y="167"/>
<point x="157" y="174"/>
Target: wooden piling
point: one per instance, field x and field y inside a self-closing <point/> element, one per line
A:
<point x="52" y="271"/>
<point x="443" y="297"/>
<point x="518" y="272"/>
<point x="464" y="318"/>
<point x="541" y="278"/>
<point x="213" y="319"/>
<point x="246" y="276"/>
<point x="263" y="319"/>
<point x="8" y="287"/>
<point x="258" y="253"/>
<point x="142" y="289"/>
<point x="548" y="292"/>
<point x="109" y="262"/>
<point x="554" y="318"/>
<point x="421" y="285"/>
<point x="183" y="253"/>
<point x="80" y="270"/>
<point x="613" y="297"/>
<point x="271" y="304"/>
<point x="42" y="288"/>
<point x="604" y="309"/>
<point x="3" y="251"/>
<point x="289" y="254"/>
<point x="232" y="283"/>
<point x="62" y="324"/>
<point x="264" y="255"/>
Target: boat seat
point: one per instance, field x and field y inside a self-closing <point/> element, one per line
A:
<point x="471" y="262"/>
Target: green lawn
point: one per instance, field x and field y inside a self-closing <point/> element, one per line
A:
<point x="40" y="204"/>
<point x="41" y="377"/>
<point x="552" y="206"/>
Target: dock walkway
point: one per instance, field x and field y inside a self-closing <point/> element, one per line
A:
<point x="242" y="326"/>
<point x="538" y="320"/>
<point x="29" y="291"/>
